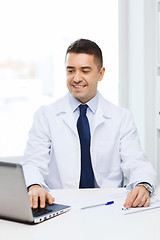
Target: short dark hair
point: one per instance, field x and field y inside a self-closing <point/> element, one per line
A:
<point x="88" y="47"/>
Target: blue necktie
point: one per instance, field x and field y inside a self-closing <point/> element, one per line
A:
<point x="87" y="175"/>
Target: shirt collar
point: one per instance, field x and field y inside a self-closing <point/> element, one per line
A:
<point x="92" y="104"/>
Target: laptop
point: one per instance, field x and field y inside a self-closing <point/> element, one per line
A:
<point x="14" y="200"/>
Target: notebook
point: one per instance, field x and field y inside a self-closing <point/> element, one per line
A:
<point x="14" y="200"/>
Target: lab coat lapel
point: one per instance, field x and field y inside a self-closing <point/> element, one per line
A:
<point x="99" y="119"/>
<point x="70" y="121"/>
<point x="65" y="110"/>
<point x="103" y="112"/>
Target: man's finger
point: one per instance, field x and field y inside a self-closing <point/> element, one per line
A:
<point x="30" y="199"/>
<point x="40" y="194"/>
<point x="142" y="197"/>
<point x="34" y="193"/>
<point x="139" y="200"/>
<point x="49" y="198"/>
<point x="42" y="198"/>
<point x="130" y="199"/>
<point x="147" y="203"/>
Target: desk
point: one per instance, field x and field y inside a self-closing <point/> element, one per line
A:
<point x="77" y="225"/>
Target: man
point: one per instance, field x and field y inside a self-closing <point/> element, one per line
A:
<point x="56" y="152"/>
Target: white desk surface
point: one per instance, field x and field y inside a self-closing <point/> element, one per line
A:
<point x="82" y="225"/>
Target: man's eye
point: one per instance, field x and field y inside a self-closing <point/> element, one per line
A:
<point x="85" y="71"/>
<point x="70" y="71"/>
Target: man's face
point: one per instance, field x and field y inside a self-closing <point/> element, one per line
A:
<point x="82" y="76"/>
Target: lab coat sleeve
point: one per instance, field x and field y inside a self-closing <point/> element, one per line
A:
<point x="37" y="153"/>
<point x="134" y="163"/>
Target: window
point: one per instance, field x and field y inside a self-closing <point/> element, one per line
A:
<point x="34" y="39"/>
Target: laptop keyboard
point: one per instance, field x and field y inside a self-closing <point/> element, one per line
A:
<point x="40" y="211"/>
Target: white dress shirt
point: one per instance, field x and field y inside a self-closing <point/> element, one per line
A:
<point x="91" y="110"/>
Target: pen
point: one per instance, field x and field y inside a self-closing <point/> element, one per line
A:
<point x="123" y="208"/>
<point x="107" y="203"/>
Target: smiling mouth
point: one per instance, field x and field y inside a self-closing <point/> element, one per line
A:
<point x="78" y="86"/>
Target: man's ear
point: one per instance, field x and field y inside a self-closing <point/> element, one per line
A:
<point x="101" y="74"/>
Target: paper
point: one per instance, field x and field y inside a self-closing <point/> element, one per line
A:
<point x="117" y="207"/>
<point x="104" y="210"/>
<point x="155" y="203"/>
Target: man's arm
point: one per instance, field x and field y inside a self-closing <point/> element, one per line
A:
<point x="138" y="197"/>
<point x="37" y="154"/>
<point x="36" y="192"/>
<point x="135" y="165"/>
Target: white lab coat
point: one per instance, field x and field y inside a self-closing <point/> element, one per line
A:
<point x="52" y="157"/>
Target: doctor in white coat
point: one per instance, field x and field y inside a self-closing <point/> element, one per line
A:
<point x="52" y="158"/>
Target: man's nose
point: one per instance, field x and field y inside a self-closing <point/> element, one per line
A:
<point x="77" y="77"/>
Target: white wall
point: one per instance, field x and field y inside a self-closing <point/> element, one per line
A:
<point x="157" y="86"/>
<point x="137" y="79"/>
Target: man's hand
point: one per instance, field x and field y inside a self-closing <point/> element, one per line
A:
<point x="35" y="192"/>
<point x="138" y="197"/>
